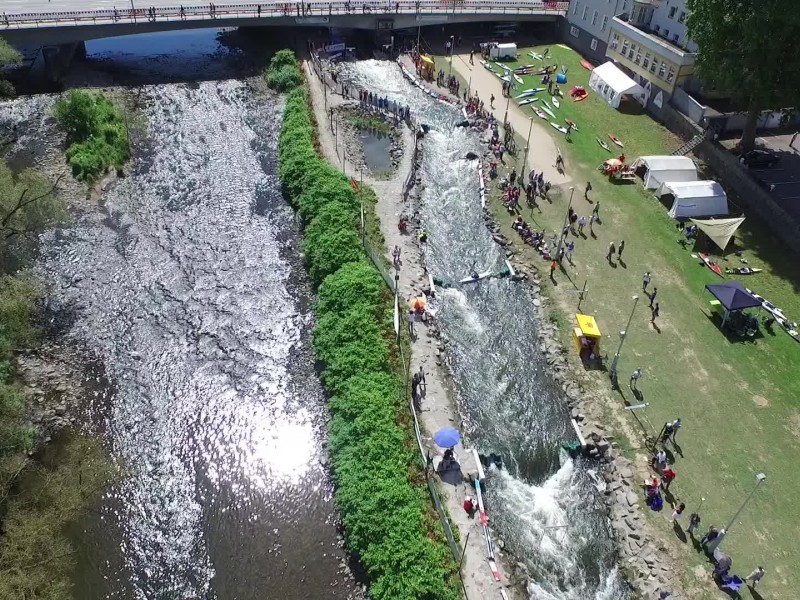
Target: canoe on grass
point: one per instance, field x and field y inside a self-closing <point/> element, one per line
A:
<point x="555" y="102"/>
<point x="528" y="101"/>
<point x="743" y="271"/>
<point x="548" y="111"/>
<point x="476" y="277"/>
<point x="710" y="264"/>
<point x="616" y="140"/>
<point x="518" y="78"/>
<point x="558" y="127"/>
<point x="603" y="144"/>
<point x="539" y="113"/>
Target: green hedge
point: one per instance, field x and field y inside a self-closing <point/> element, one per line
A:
<point x="96" y="134"/>
<point x="283" y="73"/>
<point x="385" y="513"/>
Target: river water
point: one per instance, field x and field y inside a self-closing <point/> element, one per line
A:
<point x="542" y="503"/>
<point x="187" y="285"/>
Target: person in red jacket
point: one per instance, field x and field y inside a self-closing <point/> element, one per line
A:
<point x="667" y="475"/>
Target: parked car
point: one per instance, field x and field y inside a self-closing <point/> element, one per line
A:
<point x="760" y="158"/>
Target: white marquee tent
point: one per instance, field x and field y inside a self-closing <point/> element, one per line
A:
<point x="695" y="198"/>
<point x="611" y="83"/>
<point x="659" y="169"/>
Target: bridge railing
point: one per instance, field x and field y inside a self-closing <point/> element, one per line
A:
<point x="280" y="9"/>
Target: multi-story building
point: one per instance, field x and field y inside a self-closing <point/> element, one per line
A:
<point x="650" y="42"/>
<point x="588" y="25"/>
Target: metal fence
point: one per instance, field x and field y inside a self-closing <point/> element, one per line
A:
<point x="151" y="13"/>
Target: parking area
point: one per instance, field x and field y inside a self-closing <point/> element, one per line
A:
<point x="783" y="178"/>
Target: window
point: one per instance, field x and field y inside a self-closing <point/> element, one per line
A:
<point x="662" y="69"/>
<point x="672" y="11"/>
<point x="614" y="41"/>
<point x="656" y="28"/>
<point x="675" y="37"/>
<point x="682" y="18"/>
<point x="653" y="65"/>
<point x="593" y="45"/>
<point x="585" y="12"/>
<point x="594" y="18"/>
<point x="670" y="75"/>
<point x="574" y="31"/>
<point x="631" y="51"/>
<point x="605" y="22"/>
<point x="646" y="61"/>
<point x="575" y="8"/>
<point x="666" y="33"/>
<point x="624" y="47"/>
<point x="638" y="58"/>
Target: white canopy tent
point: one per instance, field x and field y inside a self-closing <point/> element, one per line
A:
<point x="719" y="230"/>
<point x="695" y="198"/>
<point x="611" y="83"/>
<point x="658" y="169"/>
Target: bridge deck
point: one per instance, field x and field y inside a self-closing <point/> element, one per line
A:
<point x="37" y="13"/>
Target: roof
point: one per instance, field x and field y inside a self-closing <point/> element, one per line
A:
<point x="616" y="79"/>
<point x="666" y="163"/>
<point x="733" y="295"/>
<point x="719" y="230"/>
<point x="507" y="46"/>
<point x="588" y="325"/>
<point x="693" y="189"/>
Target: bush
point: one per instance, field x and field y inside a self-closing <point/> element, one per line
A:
<point x="284" y="73"/>
<point x="385" y="516"/>
<point x="96" y="133"/>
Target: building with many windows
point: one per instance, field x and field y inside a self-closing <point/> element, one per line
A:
<point x="588" y="25"/>
<point x="650" y="42"/>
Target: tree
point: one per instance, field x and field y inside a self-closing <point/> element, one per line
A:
<point x="8" y="56"/>
<point x="748" y="50"/>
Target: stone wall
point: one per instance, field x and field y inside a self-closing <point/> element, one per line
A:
<point x="583" y="43"/>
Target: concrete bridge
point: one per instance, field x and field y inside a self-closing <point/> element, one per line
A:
<point x="64" y="22"/>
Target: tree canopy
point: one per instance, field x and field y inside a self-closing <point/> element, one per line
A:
<point x="8" y="56"/>
<point x="748" y="50"/>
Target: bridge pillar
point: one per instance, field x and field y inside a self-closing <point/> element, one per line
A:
<point x="57" y="59"/>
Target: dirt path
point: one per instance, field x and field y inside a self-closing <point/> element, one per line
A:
<point x="438" y="406"/>
<point x="543" y="150"/>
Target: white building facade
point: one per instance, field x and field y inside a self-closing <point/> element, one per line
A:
<point x="587" y="26"/>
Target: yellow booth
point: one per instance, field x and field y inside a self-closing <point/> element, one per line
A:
<point x="426" y="67"/>
<point x="587" y="337"/>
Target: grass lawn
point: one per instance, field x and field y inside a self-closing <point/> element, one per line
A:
<point x="737" y="399"/>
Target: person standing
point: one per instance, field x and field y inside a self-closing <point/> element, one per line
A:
<point x="635" y="377"/>
<point x="423" y="386"/>
<point x="596" y="211"/>
<point x="667" y="476"/>
<point x="581" y="224"/>
<point x="396" y="257"/>
<point x="587" y="190"/>
<point x="694" y="523"/>
<point x="676" y="515"/>
<point x="757" y="574"/>
<point x="553" y="266"/>
<point x="620" y="248"/>
<point x="654" y="315"/>
<point x="491" y="101"/>
<point x="645" y="282"/>
<point x="660" y="460"/>
<point x="653" y="296"/>
<point x="610" y="254"/>
<point x="471" y="55"/>
<point x="570" y="250"/>
<point x="411" y="332"/>
<point x="671" y="430"/>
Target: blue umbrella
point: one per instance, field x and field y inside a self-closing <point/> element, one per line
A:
<point x="447" y="437"/>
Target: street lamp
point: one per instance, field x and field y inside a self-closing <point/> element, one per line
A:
<point x="760" y="478"/>
<point x="527" y="146"/>
<point x="566" y="215"/>
<point x="622" y="335"/>
<point x="452" y="47"/>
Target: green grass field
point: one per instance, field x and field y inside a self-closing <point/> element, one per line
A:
<point x="737" y="399"/>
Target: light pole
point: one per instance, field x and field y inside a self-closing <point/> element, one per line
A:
<point x="566" y="218"/>
<point x="505" y="117"/>
<point x="527" y="146"/>
<point x="760" y="478"/>
<point x="622" y="335"/>
<point x="452" y="47"/>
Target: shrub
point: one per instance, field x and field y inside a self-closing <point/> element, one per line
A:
<point x="284" y="73"/>
<point x="355" y="284"/>
<point x="96" y="133"/>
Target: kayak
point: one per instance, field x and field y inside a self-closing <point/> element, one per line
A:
<point x="571" y="122"/>
<point x="502" y="66"/>
<point x="524" y="95"/>
<point x="616" y="140"/>
<point x="528" y="101"/>
<point x="529" y="91"/>
<point x="743" y="271"/>
<point x="548" y="111"/>
<point x="539" y="113"/>
<point x="587" y="65"/>
<point x="518" y="78"/>
<point x="711" y="265"/>
<point x="535" y="56"/>
<point x="505" y="78"/>
<point x="473" y="279"/>
<point x="558" y="127"/>
<point x="603" y="144"/>
<point x="555" y="101"/>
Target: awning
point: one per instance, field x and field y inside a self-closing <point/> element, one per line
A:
<point x="427" y="59"/>
<point x="588" y="325"/>
<point x="611" y="83"/>
<point x="695" y="198"/>
<point x="665" y="168"/>
<point x="719" y="230"/>
<point x="732" y="295"/>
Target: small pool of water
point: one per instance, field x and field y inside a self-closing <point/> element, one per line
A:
<point x="377" y="147"/>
